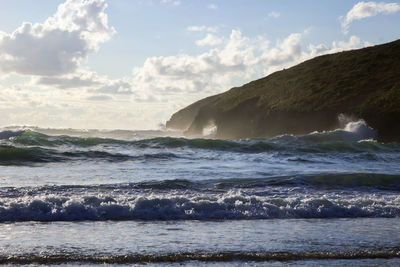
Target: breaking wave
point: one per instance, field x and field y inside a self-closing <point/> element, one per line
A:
<point x="206" y="200"/>
<point x="27" y="146"/>
<point x="183" y="208"/>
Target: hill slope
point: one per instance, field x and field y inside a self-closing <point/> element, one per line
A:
<point x="308" y="97"/>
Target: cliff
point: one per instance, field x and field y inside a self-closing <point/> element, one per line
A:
<point x="363" y="84"/>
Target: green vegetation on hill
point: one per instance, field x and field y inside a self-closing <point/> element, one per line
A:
<point x="363" y="83"/>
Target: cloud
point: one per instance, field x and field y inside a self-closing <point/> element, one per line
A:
<point x="202" y="29"/>
<point x="77" y="80"/>
<point x="354" y="42"/>
<point x="116" y="87"/>
<point x="238" y="59"/>
<point x="363" y="10"/>
<point x="17" y="96"/>
<point x="185" y="78"/>
<point x="212" y="6"/>
<point x="87" y="80"/>
<point x="173" y="2"/>
<point x="56" y="46"/>
<point x="288" y="50"/>
<point x="99" y="98"/>
<point x="209" y="72"/>
<point x="274" y="14"/>
<point x="210" y="40"/>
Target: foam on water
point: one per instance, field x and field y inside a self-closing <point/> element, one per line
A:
<point x="135" y="202"/>
<point x="353" y="131"/>
<point x="361" y="129"/>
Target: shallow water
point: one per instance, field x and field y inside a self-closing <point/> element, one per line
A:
<point x="123" y="197"/>
<point x="201" y="241"/>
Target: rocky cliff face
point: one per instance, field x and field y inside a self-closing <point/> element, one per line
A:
<point x="364" y="84"/>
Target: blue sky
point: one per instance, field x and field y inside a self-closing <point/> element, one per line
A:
<point x="131" y="64"/>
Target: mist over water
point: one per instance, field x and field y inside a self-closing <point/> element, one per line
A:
<point x="80" y="176"/>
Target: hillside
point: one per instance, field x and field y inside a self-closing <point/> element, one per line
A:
<point x="363" y="83"/>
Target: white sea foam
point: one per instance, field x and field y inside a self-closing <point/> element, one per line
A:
<point x="176" y="205"/>
<point x="360" y="130"/>
<point x="353" y="131"/>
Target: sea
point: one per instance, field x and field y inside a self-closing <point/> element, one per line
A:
<point x="156" y="198"/>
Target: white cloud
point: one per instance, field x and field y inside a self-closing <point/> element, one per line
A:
<point x="274" y="14"/>
<point x="119" y="86"/>
<point x="90" y="81"/>
<point x="318" y="49"/>
<point x="288" y="50"/>
<point x="99" y="98"/>
<point x="240" y="59"/>
<point x="202" y="29"/>
<point x="52" y="51"/>
<point x="209" y="72"/>
<point x="212" y="6"/>
<point x="78" y="79"/>
<point x="56" y="46"/>
<point x="363" y="10"/>
<point x="308" y="30"/>
<point x="354" y="42"/>
<point x="210" y="40"/>
<point x="173" y="2"/>
<point x="166" y="79"/>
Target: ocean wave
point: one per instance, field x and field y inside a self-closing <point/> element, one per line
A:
<point x="344" y="181"/>
<point x="12" y="155"/>
<point x="334" y="141"/>
<point x="352" y="132"/>
<point x="21" y="147"/>
<point x="182" y="257"/>
<point x="32" y="138"/>
<point x="184" y="205"/>
<point x="323" y="181"/>
<point x="8" y="134"/>
<point x="15" y="155"/>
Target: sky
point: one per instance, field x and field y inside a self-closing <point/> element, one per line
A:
<point x="119" y="64"/>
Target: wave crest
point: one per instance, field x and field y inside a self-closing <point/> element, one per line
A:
<point x="176" y="205"/>
<point x="27" y="146"/>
